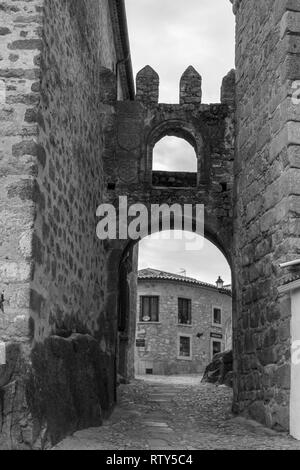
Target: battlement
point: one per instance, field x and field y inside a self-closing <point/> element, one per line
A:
<point x="190" y="87"/>
<point x="235" y="4"/>
<point x="228" y="89"/>
<point x="147" y="86"/>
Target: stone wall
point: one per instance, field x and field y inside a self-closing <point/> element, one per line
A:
<point x="161" y="339"/>
<point x="60" y="339"/>
<point x="267" y="190"/>
<point x="174" y="179"/>
<point x="20" y="39"/>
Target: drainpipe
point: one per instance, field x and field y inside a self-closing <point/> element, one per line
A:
<point x="290" y="264"/>
<point x="126" y="47"/>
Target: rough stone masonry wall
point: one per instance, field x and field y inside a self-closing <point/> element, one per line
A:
<point x="20" y="31"/>
<point x="60" y="342"/>
<point x="267" y="191"/>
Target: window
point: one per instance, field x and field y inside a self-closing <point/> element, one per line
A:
<point x="174" y="163"/>
<point x="149" y="307"/>
<point x="216" y="347"/>
<point x="185" y="347"/>
<point x="185" y="311"/>
<point x="174" y="154"/>
<point x="217" y="316"/>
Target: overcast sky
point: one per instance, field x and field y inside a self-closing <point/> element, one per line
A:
<point x="170" y="35"/>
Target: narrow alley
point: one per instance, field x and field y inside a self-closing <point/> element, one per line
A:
<point x="178" y="413"/>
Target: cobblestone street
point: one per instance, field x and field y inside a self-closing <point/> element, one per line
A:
<point x="179" y="413"/>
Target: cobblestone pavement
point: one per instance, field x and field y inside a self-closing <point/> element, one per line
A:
<point x="179" y="413"/>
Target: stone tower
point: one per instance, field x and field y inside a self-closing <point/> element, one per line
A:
<point x="267" y="203"/>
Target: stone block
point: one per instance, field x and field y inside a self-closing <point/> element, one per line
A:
<point x="294" y="156"/>
<point x="11" y="272"/>
<point x="282" y="377"/>
<point x="282" y="6"/>
<point x="290" y="23"/>
<point x="268" y="356"/>
<point x="80" y="395"/>
<point x="259" y="412"/>
<point x="280" y="417"/>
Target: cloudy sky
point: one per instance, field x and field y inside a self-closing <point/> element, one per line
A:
<point x="170" y="35"/>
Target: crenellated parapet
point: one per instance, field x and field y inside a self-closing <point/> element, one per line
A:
<point x="190" y="87"/>
<point x="228" y="89"/>
<point x="140" y="124"/>
<point x="147" y="86"/>
<point x="236" y="5"/>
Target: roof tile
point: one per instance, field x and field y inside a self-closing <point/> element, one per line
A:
<point x="155" y="274"/>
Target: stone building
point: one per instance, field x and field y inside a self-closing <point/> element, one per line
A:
<point x="74" y="134"/>
<point x="181" y="323"/>
<point x="59" y="319"/>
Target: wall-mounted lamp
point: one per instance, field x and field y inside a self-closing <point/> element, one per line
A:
<point x="220" y="283"/>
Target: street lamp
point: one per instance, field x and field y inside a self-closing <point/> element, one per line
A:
<point x="220" y="283"/>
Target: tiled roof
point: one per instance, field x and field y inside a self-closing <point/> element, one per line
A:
<point x="155" y="274"/>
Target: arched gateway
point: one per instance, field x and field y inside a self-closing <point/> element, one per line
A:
<point x="138" y="126"/>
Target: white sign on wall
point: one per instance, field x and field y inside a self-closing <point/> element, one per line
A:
<point x="295" y="366"/>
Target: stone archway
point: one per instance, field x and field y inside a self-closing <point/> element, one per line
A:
<point x="122" y="266"/>
<point x="138" y="126"/>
